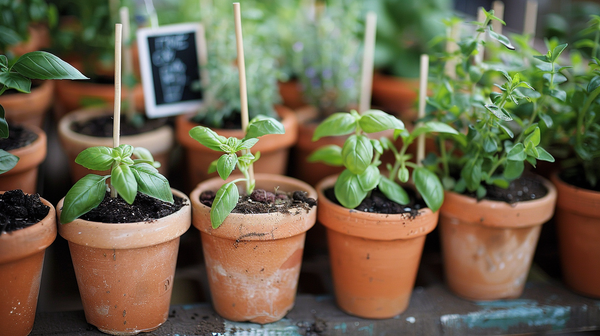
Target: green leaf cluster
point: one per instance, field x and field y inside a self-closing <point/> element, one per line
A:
<point x="360" y="156"/>
<point x="227" y="196"/>
<point x="131" y="170"/>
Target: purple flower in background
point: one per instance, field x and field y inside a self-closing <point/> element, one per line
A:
<point x="310" y="72"/>
<point x="327" y="73"/>
<point x="348" y="83"/>
<point x="298" y="46"/>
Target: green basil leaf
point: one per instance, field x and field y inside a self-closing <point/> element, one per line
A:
<point x="373" y="121"/>
<point x="433" y="127"/>
<point x="513" y="169"/>
<point x="143" y="154"/>
<point x="126" y="151"/>
<point x="544" y="155"/>
<point x="403" y="174"/>
<point x="7" y="161"/>
<point x="357" y="153"/>
<point x="471" y="173"/>
<point x="393" y="191"/>
<point x="96" y="158"/>
<point x="124" y="182"/>
<point x="386" y="143"/>
<point x="430" y="187"/>
<point x="9" y="36"/>
<point x="208" y="137"/>
<point x="348" y="191"/>
<point x="261" y="125"/>
<point x="377" y="146"/>
<point x="3" y="62"/>
<point x="85" y="195"/>
<point x="337" y="124"/>
<point x="151" y="182"/>
<point x="247" y="144"/>
<point x="330" y="154"/>
<point x="3" y="124"/>
<point x="517" y="153"/>
<point x="44" y="65"/>
<point x="225" y="201"/>
<point x="369" y="179"/>
<point x="226" y="164"/>
<point x="213" y="166"/>
<point x="16" y="81"/>
<point x="246" y="159"/>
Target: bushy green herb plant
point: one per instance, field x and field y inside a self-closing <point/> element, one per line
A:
<point x="17" y="75"/>
<point x="127" y="177"/>
<point x="360" y="157"/>
<point x="16" y="18"/>
<point x="227" y="196"/>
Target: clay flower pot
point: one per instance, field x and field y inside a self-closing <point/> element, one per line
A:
<point x="488" y="246"/>
<point x="125" y="271"/>
<point x="253" y="261"/>
<point x="374" y="257"/>
<point x="291" y="94"/>
<point x="24" y="175"/>
<point x="273" y="148"/>
<point x="578" y="224"/>
<point x="159" y="141"/>
<point x="21" y="260"/>
<point x="29" y="109"/>
<point x="396" y="95"/>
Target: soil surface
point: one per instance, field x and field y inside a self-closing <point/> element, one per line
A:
<point x="575" y="176"/>
<point x="377" y="202"/>
<point x="18" y="137"/>
<point x="262" y="201"/>
<point x="19" y="210"/>
<point x="144" y="208"/>
<point x="102" y="126"/>
<point x="525" y="188"/>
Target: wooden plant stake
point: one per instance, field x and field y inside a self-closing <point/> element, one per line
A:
<point x="117" y="112"/>
<point x="127" y="62"/>
<point x="422" y="103"/>
<point x="498" y="7"/>
<point x="530" y="21"/>
<point x="367" y="66"/>
<point x="242" y="68"/>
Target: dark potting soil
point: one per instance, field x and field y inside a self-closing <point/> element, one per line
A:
<point x="525" y="188"/>
<point x="18" y="137"/>
<point x="19" y="210"/>
<point x="262" y="201"/>
<point x="377" y="202"/>
<point x="144" y="208"/>
<point x="576" y="176"/>
<point x="103" y="126"/>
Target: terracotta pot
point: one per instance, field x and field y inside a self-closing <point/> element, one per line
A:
<point x="578" y="224"/>
<point x="396" y="95"/>
<point x="21" y="260"/>
<point x="24" y="175"/>
<point x="39" y="38"/>
<point x="159" y="141"/>
<point x="125" y="271"/>
<point x="291" y="94"/>
<point x="273" y="148"/>
<point x="374" y="257"/>
<point x="488" y="246"/>
<point x="29" y="109"/>
<point x="253" y="261"/>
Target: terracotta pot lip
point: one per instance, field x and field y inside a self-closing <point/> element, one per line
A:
<point x="232" y="228"/>
<point x="562" y="185"/>
<point x="45" y="88"/>
<point x="127" y="235"/>
<point x="37" y="145"/>
<point x="30" y="240"/>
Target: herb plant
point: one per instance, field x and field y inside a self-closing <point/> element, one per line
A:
<point x="16" y="18"/>
<point x="360" y="158"/>
<point x="17" y="75"/>
<point x="227" y="196"/>
<point x="127" y="177"/>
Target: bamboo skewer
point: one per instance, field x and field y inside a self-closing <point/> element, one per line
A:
<point x="117" y="111"/>
<point x="367" y="66"/>
<point x="451" y="47"/>
<point x="424" y="72"/>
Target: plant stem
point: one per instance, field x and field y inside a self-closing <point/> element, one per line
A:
<point x="444" y="156"/>
<point x="4" y="87"/>
<point x="588" y="102"/>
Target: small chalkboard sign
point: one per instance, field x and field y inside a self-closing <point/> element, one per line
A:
<point x="170" y="59"/>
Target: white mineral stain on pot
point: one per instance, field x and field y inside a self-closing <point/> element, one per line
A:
<point x="102" y="310"/>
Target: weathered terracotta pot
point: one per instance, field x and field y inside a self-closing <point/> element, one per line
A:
<point x="578" y="223"/>
<point x="24" y="175"/>
<point x="291" y="94"/>
<point x="21" y="260"/>
<point x="29" y="109"/>
<point x="159" y="141"/>
<point x="396" y="95"/>
<point x="273" y="148"/>
<point x="488" y="246"/>
<point x="39" y="38"/>
<point x="253" y="261"/>
<point x="374" y="257"/>
<point x="125" y="271"/>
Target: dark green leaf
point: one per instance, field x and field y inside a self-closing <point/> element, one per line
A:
<point x="557" y="51"/>
<point x="44" y="65"/>
<point x="517" y="153"/>
<point x="151" y="182"/>
<point x="348" y="191"/>
<point x="3" y="124"/>
<point x="513" y="169"/>
<point x="547" y="119"/>
<point x="123" y="180"/>
<point x="430" y="187"/>
<point x="261" y="125"/>
<point x="336" y="124"/>
<point x="593" y="84"/>
<point x="393" y="191"/>
<point x="369" y="179"/>
<point x="373" y="121"/>
<point x="9" y="36"/>
<point x="490" y="145"/>
<point x="357" y="153"/>
<point x="208" y="137"/>
<point x="85" y="195"/>
<point x="225" y="200"/>
<point x="96" y="158"/>
<point x="330" y="154"/>
<point x="7" y="161"/>
<point x="542" y="58"/>
<point x="471" y="173"/>
<point x="3" y="61"/>
<point x="498" y="112"/>
<point x="558" y="94"/>
<point x="13" y="80"/>
<point x="226" y="164"/>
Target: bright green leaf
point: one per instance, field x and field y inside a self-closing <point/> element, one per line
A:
<point x="517" y="153"/>
<point x="226" y="164"/>
<point x="369" y="179"/>
<point x="151" y="182"/>
<point x="393" y="191"/>
<point x="544" y="155"/>
<point x="85" y="195"/>
<point x="247" y="144"/>
<point x="348" y="191"/>
<point x="225" y="201"/>
<point x="262" y="125"/>
<point x="124" y="182"/>
<point x="513" y="169"/>
<point x="373" y="121"/>
<point x="96" y="158"/>
<point x="208" y="137"/>
<point x="430" y="187"/>
<point x="44" y="65"/>
<point x="498" y="112"/>
<point x="337" y="124"/>
<point x="403" y="174"/>
<point x="330" y="154"/>
<point x="533" y="138"/>
<point x="357" y="153"/>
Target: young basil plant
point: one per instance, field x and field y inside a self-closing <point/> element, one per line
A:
<point x="127" y="177"/>
<point x="360" y="157"/>
<point x="17" y="74"/>
<point x="227" y="196"/>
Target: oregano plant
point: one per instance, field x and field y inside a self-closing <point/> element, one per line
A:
<point x="17" y="74"/>
<point x="127" y="177"/>
<point x="360" y="156"/>
<point x="228" y="195"/>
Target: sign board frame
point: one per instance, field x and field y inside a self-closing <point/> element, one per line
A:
<point x="144" y="35"/>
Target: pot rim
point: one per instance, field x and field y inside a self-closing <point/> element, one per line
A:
<point x="22" y="243"/>
<point x="580" y="200"/>
<point x="127" y="235"/>
<point x="36" y="151"/>
<point x="372" y="225"/>
<point x="254" y="226"/>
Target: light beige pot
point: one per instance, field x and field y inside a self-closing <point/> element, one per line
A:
<point x="159" y="141"/>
